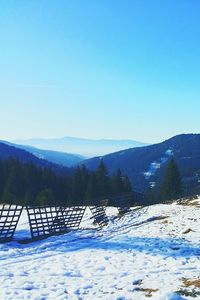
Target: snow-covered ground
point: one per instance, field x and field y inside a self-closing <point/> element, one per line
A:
<point x="150" y="252"/>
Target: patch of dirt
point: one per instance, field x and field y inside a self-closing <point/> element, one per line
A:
<point x="189" y="203"/>
<point x="148" y="292"/>
<point x="194" y="203"/>
<point x="165" y="222"/>
<point x="194" y="282"/>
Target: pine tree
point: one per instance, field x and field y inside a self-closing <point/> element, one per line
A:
<point x="14" y="187"/>
<point x="127" y="184"/>
<point x="80" y="182"/>
<point x="171" y="187"/>
<point x="102" y="180"/>
<point x="92" y="190"/>
<point x="117" y="183"/>
<point x="33" y="183"/>
<point x="151" y="195"/>
<point x="2" y="179"/>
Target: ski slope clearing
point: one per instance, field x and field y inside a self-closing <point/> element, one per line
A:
<point x="150" y="252"/>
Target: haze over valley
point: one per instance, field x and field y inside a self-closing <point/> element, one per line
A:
<point x="82" y="146"/>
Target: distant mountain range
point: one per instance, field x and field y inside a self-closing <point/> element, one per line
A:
<point x="145" y="166"/>
<point x="80" y="146"/>
<point x="60" y="158"/>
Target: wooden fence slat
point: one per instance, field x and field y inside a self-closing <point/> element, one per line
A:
<point x="47" y="221"/>
<point x="9" y="217"/>
<point x="99" y="215"/>
<point x="122" y="202"/>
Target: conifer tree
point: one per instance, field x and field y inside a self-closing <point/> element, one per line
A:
<point x="33" y="183"/>
<point x="92" y="190"/>
<point x="171" y="187"/>
<point x="80" y="182"/>
<point x="117" y="182"/>
<point x="14" y="187"/>
<point x="127" y="185"/>
<point x="102" y="180"/>
<point x="2" y="179"/>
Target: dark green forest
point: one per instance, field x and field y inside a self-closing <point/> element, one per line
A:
<point x="28" y="184"/>
<point x="32" y="185"/>
<point x="171" y="187"/>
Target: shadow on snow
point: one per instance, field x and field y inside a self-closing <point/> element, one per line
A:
<point x="73" y="242"/>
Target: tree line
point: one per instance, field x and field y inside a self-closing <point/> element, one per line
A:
<point x="28" y="184"/>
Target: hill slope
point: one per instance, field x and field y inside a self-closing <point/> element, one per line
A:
<point x="23" y="156"/>
<point x="151" y="252"/>
<point x="146" y="165"/>
<point x="60" y="158"/>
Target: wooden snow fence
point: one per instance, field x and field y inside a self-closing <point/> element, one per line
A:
<point x="9" y="217"/>
<point x="99" y="211"/>
<point x="122" y="202"/>
<point x="48" y="221"/>
<point x="99" y="215"/>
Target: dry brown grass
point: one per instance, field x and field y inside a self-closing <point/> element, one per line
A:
<point x="190" y="203"/>
<point x="189" y="282"/>
<point x="165" y="222"/>
<point x="148" y="291"/>
<point x="193" y="203"/>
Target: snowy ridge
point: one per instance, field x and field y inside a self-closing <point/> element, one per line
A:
<point x="147" y="252"/>
<point x="154" y="166"/>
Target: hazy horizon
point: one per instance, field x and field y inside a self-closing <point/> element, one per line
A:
<point x="83" y="146"/>
<point x="88" y="138"/>
<point x="86" y="147"/>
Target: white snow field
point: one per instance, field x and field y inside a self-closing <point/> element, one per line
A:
<point x="152" y="252"/>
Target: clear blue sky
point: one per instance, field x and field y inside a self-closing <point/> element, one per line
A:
<point x="99" y="68"/>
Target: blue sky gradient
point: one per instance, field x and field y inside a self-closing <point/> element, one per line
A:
<point x="99" y="69"/>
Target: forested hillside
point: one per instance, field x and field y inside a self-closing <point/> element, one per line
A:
<point x="146" y="166"/>
<point x="23" y="156"/>
<point x="56" y="157"/>
<point x="28" y="184"/>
